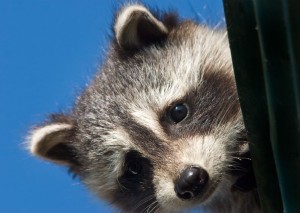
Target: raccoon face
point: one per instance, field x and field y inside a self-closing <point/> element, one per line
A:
<point x="160" y="127"/>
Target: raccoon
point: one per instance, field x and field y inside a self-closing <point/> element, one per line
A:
<point x="159" y="129"/>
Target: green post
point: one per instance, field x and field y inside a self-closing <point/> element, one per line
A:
<point x="278" y="24"/>
<point x="246" y="56"/>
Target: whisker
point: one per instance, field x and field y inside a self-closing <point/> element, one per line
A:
<point x="155" y="208"/>
<point x="143" y="201"/>
<point x="151" y="207"/>
<point x="242" y="158"/>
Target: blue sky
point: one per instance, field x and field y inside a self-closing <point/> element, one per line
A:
<point x="49" y="49"/>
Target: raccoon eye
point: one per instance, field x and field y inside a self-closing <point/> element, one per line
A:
<point x="178" y="113"/>
<point x="137" y="174"/>
<point x="133" y="166"/>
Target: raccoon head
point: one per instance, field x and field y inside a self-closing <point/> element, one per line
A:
<point x="160" y="127"/>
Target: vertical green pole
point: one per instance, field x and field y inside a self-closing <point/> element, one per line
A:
<point x="277" y="20"/>
<point x="247" y="65"/>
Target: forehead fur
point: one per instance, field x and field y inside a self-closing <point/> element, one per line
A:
<point x="158" y="75"/>
<point x="138" y="88"/>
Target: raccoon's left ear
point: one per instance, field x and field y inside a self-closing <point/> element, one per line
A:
<point x="54" y="142"/>
<point x="135" y="27"/>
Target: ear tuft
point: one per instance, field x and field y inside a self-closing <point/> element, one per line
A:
<point x="52" y="142"/>
<point x="136" y="27"/>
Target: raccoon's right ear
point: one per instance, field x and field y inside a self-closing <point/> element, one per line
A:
<point x="52" y="142"/>
<point x="135" y="27"/>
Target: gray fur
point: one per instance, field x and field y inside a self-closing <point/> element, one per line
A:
<point x="125" y="110"/>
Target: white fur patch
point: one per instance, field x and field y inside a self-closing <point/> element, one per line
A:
<point x="117" y="137"/>
<point x="37" y="137"/>
<point x="166" y="195"/>
<point x="150" y="120"/>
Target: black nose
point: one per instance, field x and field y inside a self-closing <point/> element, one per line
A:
<point x="191" y="182"/>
